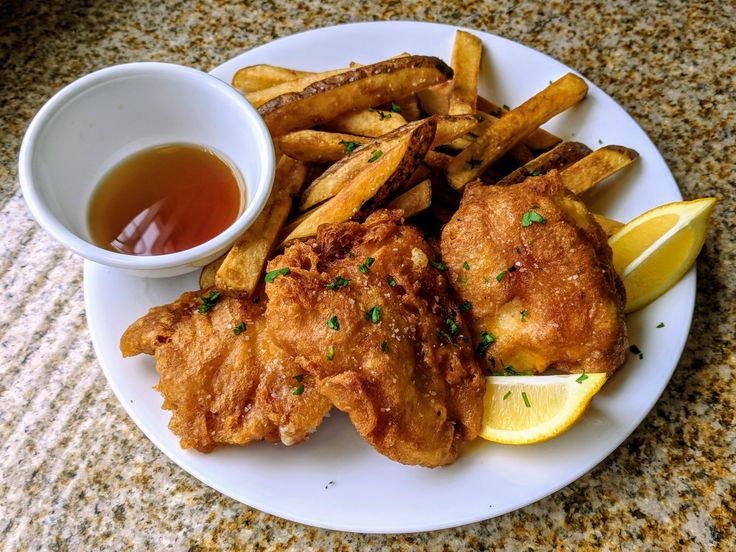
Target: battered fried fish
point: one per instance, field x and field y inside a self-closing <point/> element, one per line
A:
<point x="365" y="309"/>
<point x="536" y="272"/>
<point x="221" y="375"/>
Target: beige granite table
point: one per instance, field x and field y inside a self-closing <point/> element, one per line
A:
<point x="77" y="474"/>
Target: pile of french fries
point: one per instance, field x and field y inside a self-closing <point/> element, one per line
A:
<point x="406" y="133"/>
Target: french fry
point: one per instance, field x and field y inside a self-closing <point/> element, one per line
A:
<point x="511" y="129"/>
<point x="260" y="97"/>
<point x="558" y="158"/>
<point x="538" y="139"/>
<point x="352" y="90"/>
<point x="207" y="276"/>
<point x="593" y="168"/>
<point x="349" y="200"/>
<point x="241" y="270"/>
<point x="316" y="146"/>
<point x="409" y="106"/>
<point x="466" y="54"/>
<point x="451" y="127"/>
<point x="368" y="122"/>
<point x="435" y="99"/>
<point x="609" y="226"/>
<point x="339" y="175"/>
<point x="259" y="77"/>
<point x="415" y="200"/>
<point x="437" y="161"/>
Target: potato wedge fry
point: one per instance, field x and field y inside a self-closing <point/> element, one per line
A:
<point x="409" y="106"/>
<point x="258" y="77"/>
<point x="437" y="161"/>
<point x="316" y="146"/>
<point x="207" y="276"/>
<point x="539" y="139"/>
<point x="352" y="90"/>
<point x="349" y="200"/>
<point x="339" y="175"/>
<point x="451" y="127"/>
<point x="415" y="200"/>
<point x="368" y="122"/>
<point x="609" y="226"/>
<point x="260" y="97"/>
<point x="558" y="158"/>
<point x="241" y="270"/>
<point x="435" y="99"/>
<point x="511" y="129"/>
<point x="593" y="168"/>
<point x="466" y="54"/>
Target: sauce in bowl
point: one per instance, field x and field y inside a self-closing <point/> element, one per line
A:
<point x="163" y="200"/>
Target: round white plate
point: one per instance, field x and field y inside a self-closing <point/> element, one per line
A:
<point x="337" y="481"/>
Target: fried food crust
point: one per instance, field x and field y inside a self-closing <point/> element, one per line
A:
<point x="547" y="292"/>
<point x="409" y="392"/>
<point x="224" y="388"/>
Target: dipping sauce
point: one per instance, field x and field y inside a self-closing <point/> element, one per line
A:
<point x="163" y="200"/>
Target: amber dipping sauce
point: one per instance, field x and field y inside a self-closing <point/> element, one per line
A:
<point x="163" y="200"/>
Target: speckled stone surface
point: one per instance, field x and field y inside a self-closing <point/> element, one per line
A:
<point x="77" y="474"/>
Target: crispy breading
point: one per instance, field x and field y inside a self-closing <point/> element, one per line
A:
<point x="541" y="284"/>
<point x="223" y="387"/>
<point x="406" y="373"/>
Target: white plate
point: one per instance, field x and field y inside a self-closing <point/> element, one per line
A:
<point x="370" y="493"/>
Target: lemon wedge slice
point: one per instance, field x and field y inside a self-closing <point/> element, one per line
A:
<point x="520" y="410"/>
<point x="652" y="252"/>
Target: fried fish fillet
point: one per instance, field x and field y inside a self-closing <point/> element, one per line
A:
<point x="221" y="375"/>
<point x="363" y="310"/>
<point x="537" y="271"/>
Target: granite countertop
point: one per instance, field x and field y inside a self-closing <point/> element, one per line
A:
<point x="78" y="474"/>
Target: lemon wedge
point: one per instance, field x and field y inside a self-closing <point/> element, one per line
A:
<point x="652" y="252"/>
<point x="520" y="410"/>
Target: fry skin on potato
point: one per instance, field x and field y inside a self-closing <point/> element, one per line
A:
<point x="593" y="168"/>
<point x="414" y="200"/>
<point x="259" y="77"/>
<point x="352" y="90"/>
<point x="560" y="157"/>
<point x="242" y="267"/>
<point x="339" y="175"/>
<point x="260" y="97"/>
<point x="511" y="129"/>
<point x="466" y="54"/>
<point x="317" y="146"/>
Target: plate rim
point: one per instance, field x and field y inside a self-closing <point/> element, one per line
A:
<point x="92" y="323"/>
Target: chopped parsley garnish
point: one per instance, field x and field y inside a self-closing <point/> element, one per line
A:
<point x="349" y="146"/>
<point x="524" y="315"/>
<point x="500" y="275"/>
<point x="333" y="323"/>
<point x="347" y="251"/>
<point x="391" y="281"/>
<point x="600" y="141"/>
<point x="485" y="341"/>
<point x="365" y="265"/>
<point x="463" y="280"/>
<point x="331" y="352"/>
<point x="531" y="217"/>
<point x="507" y="108"/>
<point x="208" y="301"/>
<point x="466" y="266"/>
<point x="582" y="378"/>
<point x="660" y="325"/>
<point x="374" y="314"/>
<point x="466" y="306"/>
<point x="298" y="390"/>
<point x="443" y="334"/>
<point x="526" y="399"/>
<point x="338" y="283"/>
<point x="452" y="325"/>
<point x="535" y="173"/>
<point x="486" y="280"/>
<point x="396" y="108"/>
<point x="635" y="350"/>
<point x="438" y="265"/>
<point x="271" y="276"/>
<point x="507" y="395"/>
<point x="473" y="162"/>
<point x="517" y="249"/>
<point x="509" y="371"/>
<point x="240" y="328"/>
<point x="299" y="378"/>
<point x="384" y="346"/>
<point x="375" y="155"/>
<point x="381" y="114"/>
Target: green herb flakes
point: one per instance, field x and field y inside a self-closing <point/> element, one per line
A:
<point x="524" y="315"/>
<point x="485" y="341"/>
<point x="375" y="155"/>
<point x="374" y="314"/>
<point x="660" y="325"/>
<point x="271" y="276"/>
<point x="396" y="108"/>
<point x="466" y="306"/>
<point x="208" y="301"/>
<point x="526" y="399"/>
<point x="438" y="265"/>
<point x="507" y="395"/>
<point x="391" y="281"/>
<point x="384" y="346"/>
<point x="531" y="217"/>
<point x="298" y="390"/>
<point x="582" y="378"/>
<point x="500" y="275"/>
<point x="349" y="145"/>
<point x="330" y="352"/>
<point x="466" y="266"/>
<point x="333" y="323"/>
<point x="338" y="283"/>
<point x="240" y="328"/>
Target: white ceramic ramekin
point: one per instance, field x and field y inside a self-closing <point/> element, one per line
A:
<point x="102" y="118"/>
